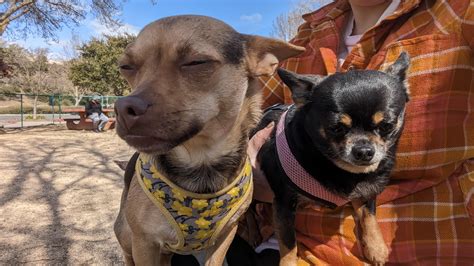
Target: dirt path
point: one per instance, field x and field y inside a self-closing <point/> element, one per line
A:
<point x="59" y="196"/>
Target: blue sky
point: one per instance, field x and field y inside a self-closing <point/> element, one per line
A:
<point x="246" y="16"/>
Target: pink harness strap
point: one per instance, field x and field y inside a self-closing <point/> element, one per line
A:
<point x="297" y="173"/>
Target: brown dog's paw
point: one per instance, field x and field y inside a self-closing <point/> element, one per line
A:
<point x="375" y="251"/>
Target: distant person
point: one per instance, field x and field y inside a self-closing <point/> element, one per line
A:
<point x="94" y="112"/>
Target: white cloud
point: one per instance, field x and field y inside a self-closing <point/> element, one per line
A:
<point x="31" y="42"/>
<point x="101" y="29"/>
<point x="253" y="18"/>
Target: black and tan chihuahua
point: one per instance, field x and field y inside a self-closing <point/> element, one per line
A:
<point x="343" y="131"/>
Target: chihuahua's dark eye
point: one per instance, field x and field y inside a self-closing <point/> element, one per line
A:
<point x="338" y="130"/>
<point x="384" y="128"/>
<point x="126" y="67"/>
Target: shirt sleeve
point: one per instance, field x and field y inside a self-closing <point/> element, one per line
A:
<point x="88" y="108"/>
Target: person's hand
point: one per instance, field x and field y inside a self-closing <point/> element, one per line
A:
<point x="262" y="190"/>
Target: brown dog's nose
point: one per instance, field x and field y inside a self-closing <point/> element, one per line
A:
<point x="129" y="109"/>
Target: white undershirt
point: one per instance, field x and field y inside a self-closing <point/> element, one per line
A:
<point x="349" y="41"/>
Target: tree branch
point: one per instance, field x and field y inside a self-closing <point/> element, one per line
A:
<point x="14" y="8"/>
<point x="8" y="20"/>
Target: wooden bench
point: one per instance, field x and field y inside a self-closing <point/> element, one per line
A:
<point x="84" y="123"/>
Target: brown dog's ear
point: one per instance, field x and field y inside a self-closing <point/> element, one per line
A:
<point x="264" y="54"/>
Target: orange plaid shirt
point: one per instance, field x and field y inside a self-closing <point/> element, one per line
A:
<point x="427" y="212"/>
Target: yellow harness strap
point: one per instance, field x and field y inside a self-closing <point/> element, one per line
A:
<point x="197" y="218"/>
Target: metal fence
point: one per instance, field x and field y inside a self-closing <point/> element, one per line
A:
<point x="22" y="110"/>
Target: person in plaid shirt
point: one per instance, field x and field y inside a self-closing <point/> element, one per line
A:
<point x="426" y="213"/>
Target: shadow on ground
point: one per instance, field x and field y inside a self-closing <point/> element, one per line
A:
<point x="59" y="195"/>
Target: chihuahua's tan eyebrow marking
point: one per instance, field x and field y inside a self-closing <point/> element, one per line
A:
<point x="322" y="133"/>
<point x="378" y="117"/>
<point x="346" y="120"/>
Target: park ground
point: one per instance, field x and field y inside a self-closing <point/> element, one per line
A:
<point x="59" y="196"/>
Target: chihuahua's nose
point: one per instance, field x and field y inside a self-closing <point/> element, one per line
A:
<point x="129" y="109"/>
<point x="363" y="152"/>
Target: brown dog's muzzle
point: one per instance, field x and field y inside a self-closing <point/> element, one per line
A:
<point x="129" y="110"/>
<point x="151" y="130"/>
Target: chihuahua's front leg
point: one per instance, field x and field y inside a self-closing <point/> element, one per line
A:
<point x="216" y="256"/>
<point x="373" y="244"/>
<point x="146" y="253"/>
<point x="284" y="208"/>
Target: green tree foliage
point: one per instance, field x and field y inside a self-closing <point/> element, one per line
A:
<point x="96" y="68"/>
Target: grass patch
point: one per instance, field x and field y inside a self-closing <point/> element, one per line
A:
<point x="38" y="117"/>
<point x="14" y="107"/>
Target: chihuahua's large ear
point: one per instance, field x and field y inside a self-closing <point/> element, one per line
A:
<point x="264" y="54"/>
<point x="399" y="70"/>
<point x="301" y="86"/>
<point x="400" y="67"/>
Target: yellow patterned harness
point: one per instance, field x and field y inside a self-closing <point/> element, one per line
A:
<point x="197" y="218"/>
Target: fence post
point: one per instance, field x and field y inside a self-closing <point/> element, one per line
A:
<point x="59" y="107"/>
<point x="51" y="103"/>
<point x="54" y="98"/>
<point x="21" y="109"/>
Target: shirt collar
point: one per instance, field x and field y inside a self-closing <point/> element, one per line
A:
<point x="340" y="7"/>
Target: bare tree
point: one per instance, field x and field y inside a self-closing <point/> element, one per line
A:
<point x="64" y="84"/>
<point x="30" y="72"/>
<point x="78" y="93"/>
<point x="286" y="25"/>
<point x="45" y="17"/>
<point x="4" y="68"/>
<point x="20" y="61"/>
<point x="34" y="76"/>
<point x="58" y="82"/>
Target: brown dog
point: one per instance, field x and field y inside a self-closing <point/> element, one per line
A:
<point x="195" y="98"/>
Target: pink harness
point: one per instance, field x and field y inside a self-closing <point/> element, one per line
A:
<point x="297" y="174"/>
